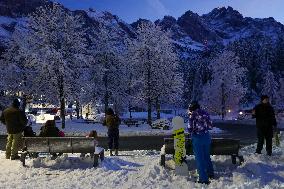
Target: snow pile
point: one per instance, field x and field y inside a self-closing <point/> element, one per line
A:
<point x="140" y="169"/>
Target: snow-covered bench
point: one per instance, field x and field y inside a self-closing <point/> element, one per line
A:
<point x="220" y="146"/>
<point x="61" y="145"/>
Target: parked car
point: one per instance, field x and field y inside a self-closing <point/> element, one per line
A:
<point x="244" y="114"/>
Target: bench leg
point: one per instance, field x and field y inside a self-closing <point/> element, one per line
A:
<point x="163" y="160"/>
<point x="234" y="159"/>
<point x="102" y="155"/>
<point x="23" y="158"/>
<point x="96" y="160"/>
<point x="241" y="159"/>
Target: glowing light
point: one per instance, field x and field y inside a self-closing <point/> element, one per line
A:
<point x="241" y="113"/>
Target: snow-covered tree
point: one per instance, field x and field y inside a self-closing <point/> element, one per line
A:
<point x="225" y="90"/>
<point x="155" y="67"/>
<point x="15" y="73"/>
<point x="270" y="86"/>
<point x="108" y="53"/>
<point x="54" y="54"/>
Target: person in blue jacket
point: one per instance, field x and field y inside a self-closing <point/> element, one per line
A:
<point x="198" y="126"/>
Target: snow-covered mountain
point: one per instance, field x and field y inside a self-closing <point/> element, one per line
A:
<point x="190" y="31"/>
<point x="221" y="26"/>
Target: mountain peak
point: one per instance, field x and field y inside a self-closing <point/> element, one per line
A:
<point x="223" y="13"/>
<point x="167" y="22"/>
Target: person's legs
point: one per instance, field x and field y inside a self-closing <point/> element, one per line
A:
<point x="260" y="141"/>
<point x="9" y="146"/>
<point x="116" y="141"/>
<point x="209" y="165"/>
<point x="199" y="148"/>
<point x="110" y="141"/>
<point x="16" y="144"/>
<point x="268" y="140"/>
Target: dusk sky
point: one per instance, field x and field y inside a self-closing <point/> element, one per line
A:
<point x="131" y="10"/>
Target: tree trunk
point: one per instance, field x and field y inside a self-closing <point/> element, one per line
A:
<point x="158" y="108"/>
<point x="116" y="109"/>
<point x="81" y="112"/>
<point x="24" y="105"/>
<point x="149" y="90"/>
<point x="62" y="111"/>
<point x="62" y="102"/>
<point x="149" y="121"/>
<point x="106" y="93"/>
<point x="130" y="110"/>
<point x="77" y="109"/>
<point x="106" y="102"/>
<point x="223" y="101"/>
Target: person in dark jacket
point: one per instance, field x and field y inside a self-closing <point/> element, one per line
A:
<point x="49" y="129"/>
<point x="15" y="121"/>
<point x="265" y="124"/>
<point x="112" y="122"/>
<point x="198" y="126"/>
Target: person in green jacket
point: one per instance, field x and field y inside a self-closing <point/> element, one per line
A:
<point x="15" y="121"/>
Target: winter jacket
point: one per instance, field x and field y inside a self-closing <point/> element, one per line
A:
<point x="199" y="122"/>
<point x="112" y="121"/>
<point x="265" y="117"/>
<point x="49" y="131"/>
<point x="14" y="119"/>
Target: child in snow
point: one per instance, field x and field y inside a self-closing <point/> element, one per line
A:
<point x="93" y="134"/>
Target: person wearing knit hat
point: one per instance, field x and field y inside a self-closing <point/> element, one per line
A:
<point x="265" y="124"/>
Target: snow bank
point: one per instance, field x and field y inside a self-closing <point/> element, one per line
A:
<point x="140" y="169"/>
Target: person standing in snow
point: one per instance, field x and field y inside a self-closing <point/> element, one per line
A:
<point x="15" y="121"/>
<point x="112" y="122"/>
<point x="265" y="124"/>
<point x="198" y="126"/>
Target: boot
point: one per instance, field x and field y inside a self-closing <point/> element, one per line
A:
<point x="110" y="153"/>
<point x="15" y="157"/>
<point x="116" y="152"/>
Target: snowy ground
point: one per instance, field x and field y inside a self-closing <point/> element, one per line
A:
<point x="140" y="169"/>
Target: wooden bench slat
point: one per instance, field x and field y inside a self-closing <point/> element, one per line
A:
<point x="219" y="146"/>
<point x="62" y="145"/>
